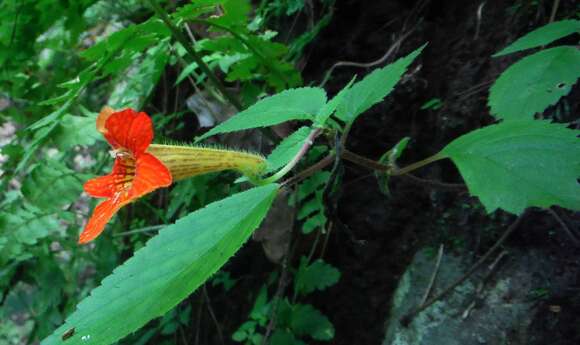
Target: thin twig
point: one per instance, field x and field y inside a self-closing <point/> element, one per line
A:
<point x="564" y="226"/>
<point x="325" y="243"/>
<point x="140" y="230"/>
<point x="380" y="60"/>
<point x="435" y="184"/>
<point x="554" y="10"/>
<point x="481" y="285"/>
<point x="407" y="318"/>
<point x="282" y="282"/>
<point x="479" y="16"/>
<point x="197" y="329"/>
<point x="433" y="276"/>
<point x="212" y="314"/>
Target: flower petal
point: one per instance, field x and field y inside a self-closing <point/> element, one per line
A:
<point x="101" y="216"/>
<point x="129" y="130"/>
<point x="101" y="187"/>
<point x="105" y="113"/>
<point x="150" y="174"/>
<point x="107" y="186"/>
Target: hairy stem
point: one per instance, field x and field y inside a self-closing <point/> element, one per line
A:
<point x="303" y="150"/>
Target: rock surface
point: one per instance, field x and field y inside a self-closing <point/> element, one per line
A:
<point x="496" y="306"/>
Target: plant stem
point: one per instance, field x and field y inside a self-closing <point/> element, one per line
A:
<point x="365" y="162"/>
<point x="416" y="165"/>
<point x="193" y="54"/>
<point x="286" y="169"/>
<point x="326" y="161"/>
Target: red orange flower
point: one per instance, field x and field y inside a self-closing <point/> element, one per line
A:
<point x="135" y="172"/>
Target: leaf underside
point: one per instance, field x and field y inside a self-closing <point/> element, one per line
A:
<point x="518" y="164"/>
<point x="170" y="267"/>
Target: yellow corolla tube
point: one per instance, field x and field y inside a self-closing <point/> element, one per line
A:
<point x="188" y="161"/>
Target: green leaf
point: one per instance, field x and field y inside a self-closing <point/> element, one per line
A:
<point x="51" y="185"/>
<point x="139" y="80"/>
<point x="542" y="36"/>
<point x="373" y="88"/>
<point x="194" y="10"/>
<point x="52" y="117"/>
<point x="534" y="83"/>
<point x="23" y="226"/>
<point x="170" y="267"/>
<point x="134" y="38"/>
<point x="316" y="276"/>
<point x="390" y="158"/>
<point x="306" y="320"/>
<point x="76" y="130"/>
<point x="294" y="104"/>
<point x="330" y="107"/>
<point x="287" y="149"/>
<point x="284" y="337"/>
<point x="40" y="137"/>
<point x="518" y="164"/>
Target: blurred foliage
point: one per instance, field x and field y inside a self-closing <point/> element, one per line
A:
<point x="61" y="61"/>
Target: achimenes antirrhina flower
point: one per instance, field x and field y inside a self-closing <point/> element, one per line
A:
<point x="141" y="167"/>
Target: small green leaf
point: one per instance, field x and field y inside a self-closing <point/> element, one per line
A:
<point x="534" y="83"/>
<point x="306" y="320"/>
<point x="287" y="149"/>
<point x="374" y="88"/>
<point x="294" y="104"/>
<point x="316" y="276"/>
<point x="170" y="267"/>
<point x="542" y="36"/>
<point x="517" y="164"/>
<point x="390" y="158"/>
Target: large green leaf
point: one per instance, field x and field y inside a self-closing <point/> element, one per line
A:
<point x="542" y="36"/>
<point x="294" y="104"/>
<point x="534" y="83"/>
<point x="170" y="267"/>
<point x="518" y="164"/>
<point x="373" y="88"/>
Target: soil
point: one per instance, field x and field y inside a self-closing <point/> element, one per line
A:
<point x="375" y="236"/>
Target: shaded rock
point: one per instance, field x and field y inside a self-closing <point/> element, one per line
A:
<point x="495" y="306"/>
